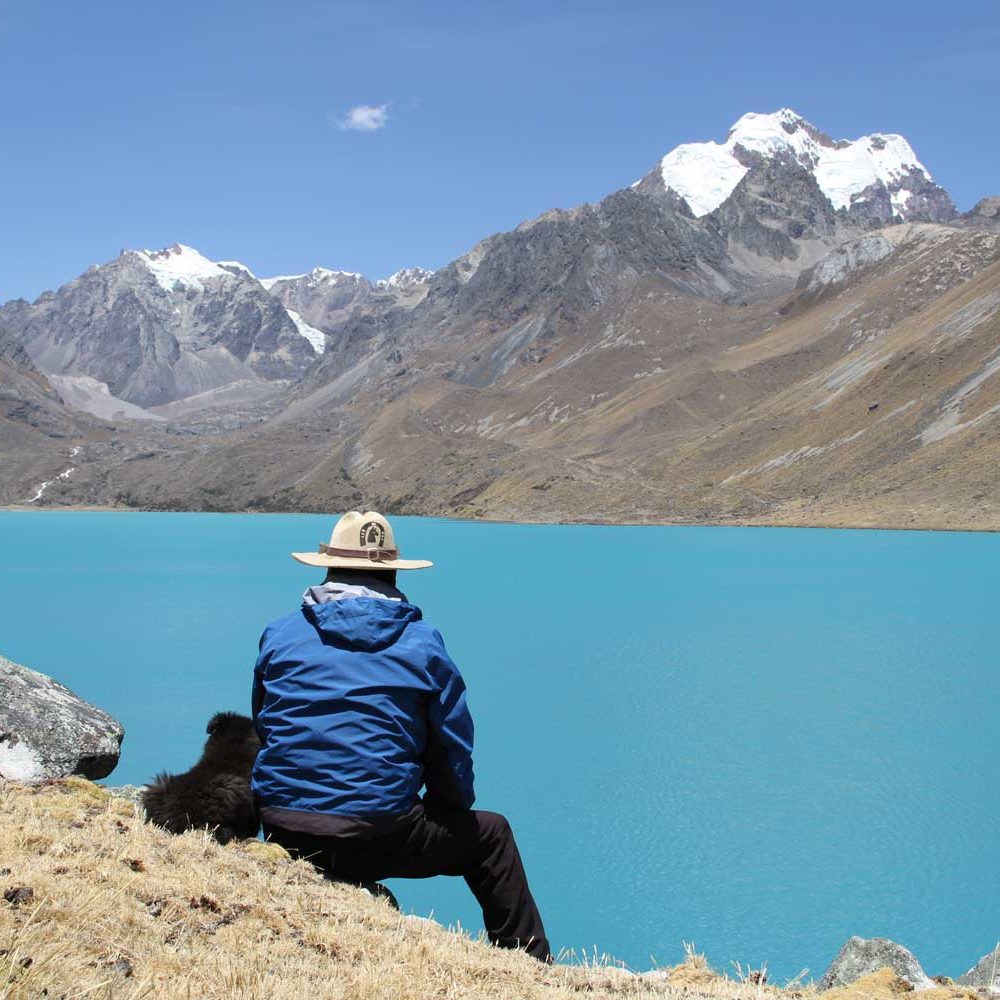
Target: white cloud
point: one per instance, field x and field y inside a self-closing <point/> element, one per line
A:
<point x="366" y="117"/>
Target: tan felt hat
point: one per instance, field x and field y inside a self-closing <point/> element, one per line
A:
<point x="360" y="541"/>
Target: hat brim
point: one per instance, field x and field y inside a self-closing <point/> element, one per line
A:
<point x="342" y="562"/>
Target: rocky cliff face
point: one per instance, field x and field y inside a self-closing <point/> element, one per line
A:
<point x="155" y="335"/>
<point x="520" y="297"/>
<point x="323" y="298"/>
<point x="328" y="300"/>
<point x="910" y="197"/>
<point x="778" y="212"/>
<point x="15" y="355"/>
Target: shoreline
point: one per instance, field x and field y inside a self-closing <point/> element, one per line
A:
<point x="708" y="523"/>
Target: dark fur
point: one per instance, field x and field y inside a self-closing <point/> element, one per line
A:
<point x="215" y="793"/>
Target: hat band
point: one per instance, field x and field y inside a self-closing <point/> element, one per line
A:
<point x="372" y="555"/>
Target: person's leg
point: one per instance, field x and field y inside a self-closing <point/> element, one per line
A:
<point x="306" y="846"/>
<point x="500" y="884"/>
<point x="477" y="845"/>
<point x="317" y="851"/>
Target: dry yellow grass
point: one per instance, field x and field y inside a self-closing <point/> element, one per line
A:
<point x="121" y="909"/>
<point x="885" y="985"/>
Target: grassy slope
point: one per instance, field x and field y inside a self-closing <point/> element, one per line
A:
<point x="122" y="909"/>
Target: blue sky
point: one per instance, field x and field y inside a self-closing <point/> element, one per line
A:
<point x="220" y="124"/>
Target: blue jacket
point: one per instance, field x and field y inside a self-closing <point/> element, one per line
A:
<point x="357" y="704"/>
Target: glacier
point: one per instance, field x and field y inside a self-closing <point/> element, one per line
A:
<point x="706" y="173"/>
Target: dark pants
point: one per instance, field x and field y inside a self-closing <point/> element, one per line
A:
<point x="477" y="845"/>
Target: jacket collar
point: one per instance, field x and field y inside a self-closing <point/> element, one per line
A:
<point x="362" y="586"/>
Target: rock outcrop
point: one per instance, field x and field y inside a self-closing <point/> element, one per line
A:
<point x="985" y="975"/>
<point x="156" y="327"/>
<point x="922" y="201"/>
<point x="860" y="957"/>
<point x="46" y="731"/>
<point x="985" y="213"/>
<point x="845" y="260"/>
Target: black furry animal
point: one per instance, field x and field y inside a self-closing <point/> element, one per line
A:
<point x="215" y="793"/>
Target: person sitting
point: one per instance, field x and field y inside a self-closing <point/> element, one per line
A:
<point x="358" y="705"/>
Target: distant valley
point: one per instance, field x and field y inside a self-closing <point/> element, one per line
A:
<point x="781" y="328"/>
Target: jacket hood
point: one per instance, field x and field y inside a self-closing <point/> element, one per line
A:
<point x="359" y="586"/>
<point x="363" y="623"/>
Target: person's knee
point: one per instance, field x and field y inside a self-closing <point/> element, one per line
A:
<point x="494" y="827"/>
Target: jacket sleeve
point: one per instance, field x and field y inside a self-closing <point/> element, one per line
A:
<point x="448" y="771"/>
<point x="257" y="694"/>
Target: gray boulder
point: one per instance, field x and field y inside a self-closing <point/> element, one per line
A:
<point x="46" y="731"/>
<point x="861" y="957"/>
<point x="131" y="792"/>
<point x="984" y="976"/>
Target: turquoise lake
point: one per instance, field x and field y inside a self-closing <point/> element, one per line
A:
<point x="761" y="741"/>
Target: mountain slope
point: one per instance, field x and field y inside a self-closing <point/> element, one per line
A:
<point x="520" y="296"/>
<point x="38" y="433"/>
<point x="869" y="395"/>
<point x="779" y="357"/>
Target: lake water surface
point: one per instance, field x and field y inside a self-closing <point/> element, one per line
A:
<point x="757" y="740"/>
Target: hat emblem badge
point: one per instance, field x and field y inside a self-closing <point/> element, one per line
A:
<point x="372" y="533"/>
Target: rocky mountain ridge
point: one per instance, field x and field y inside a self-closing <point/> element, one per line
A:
<point x="155" y="327"/>
<point x="623" y="360"/>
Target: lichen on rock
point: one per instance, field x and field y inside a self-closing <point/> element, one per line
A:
<point x="46" y="731"/>
<point x="861" y="957"/>
<point x="985" y="974"/>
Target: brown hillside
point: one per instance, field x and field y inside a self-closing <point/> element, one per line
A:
<point x="867" y="396"/>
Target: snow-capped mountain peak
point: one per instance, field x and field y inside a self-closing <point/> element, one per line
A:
<point x="179" y="265"/>
<point x="705" y="173"/>
<point x="407" y="277"/>
<point x="237" y="267"/>
<point x="317" y="276"/>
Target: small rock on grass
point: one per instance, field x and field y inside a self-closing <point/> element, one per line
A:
<point x="861" y="957"/>
<point x="131" y="793"/>
<point x="985" y="975"/>
<point x="19" y="895"/>
<point x="123" y="967"/>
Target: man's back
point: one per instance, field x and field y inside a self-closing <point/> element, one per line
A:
<point x="357" y="703"/>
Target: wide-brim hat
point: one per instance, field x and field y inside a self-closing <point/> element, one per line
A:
<point x="360" y="541"/>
